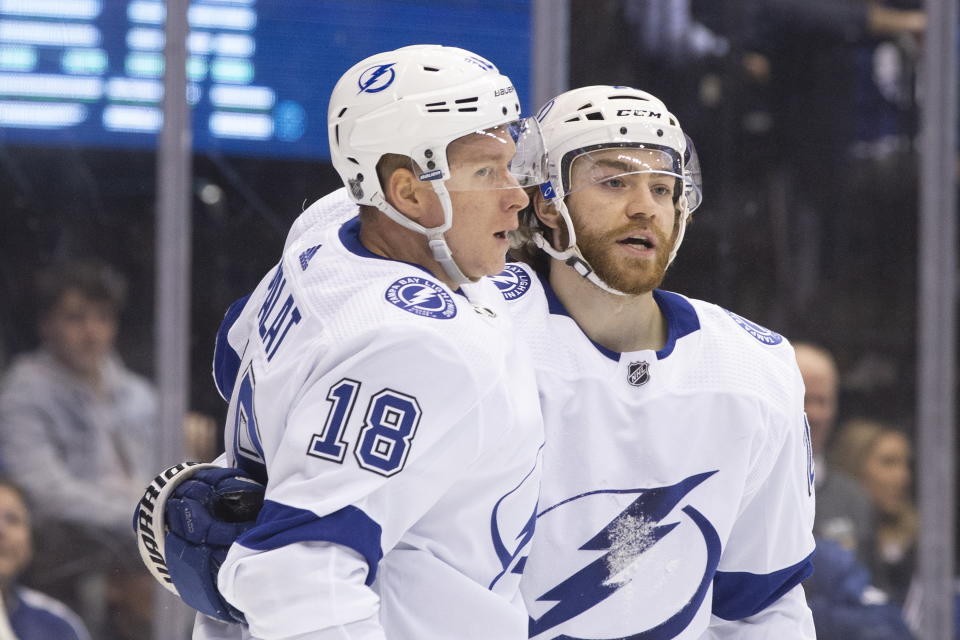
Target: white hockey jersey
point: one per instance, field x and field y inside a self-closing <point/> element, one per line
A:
<point x="677" y="497"/>
<point x="397" y="426"/>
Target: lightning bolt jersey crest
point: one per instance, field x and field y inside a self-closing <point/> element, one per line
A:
<point x="673" y="509"/>
<point x="400" y="438"/>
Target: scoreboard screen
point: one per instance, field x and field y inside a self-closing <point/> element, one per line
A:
<point x="259" y="72"/>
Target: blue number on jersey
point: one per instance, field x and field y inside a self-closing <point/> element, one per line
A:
<point x="247" y="449"/>
<point x="390" y="424"/>
<point x="328" y="444"/>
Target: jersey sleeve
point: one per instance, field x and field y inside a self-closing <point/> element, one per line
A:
<point x="756" y="590"/>
<point x="367" y="448"/>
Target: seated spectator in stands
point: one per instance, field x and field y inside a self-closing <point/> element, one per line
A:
<point x="76" y="428"/>
<point x="30" y="615"/>
<point x="844" y="511"/>
<point x="879" y="455"/>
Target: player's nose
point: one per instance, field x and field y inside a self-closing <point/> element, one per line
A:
<point x="515" y="198"/>
<point x="640" y="204"/>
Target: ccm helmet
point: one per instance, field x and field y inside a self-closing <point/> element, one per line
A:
<point x="414" y="102"/>
<point x="590" y="119"/>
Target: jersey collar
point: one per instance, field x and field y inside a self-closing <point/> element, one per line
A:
<point x="349" y="234"/>
<point x="680" y="315"/>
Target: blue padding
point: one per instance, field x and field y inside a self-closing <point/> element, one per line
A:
<point x="738" y="594"/>
<point x="226" y="361"/>
<point x="279" y="525"/>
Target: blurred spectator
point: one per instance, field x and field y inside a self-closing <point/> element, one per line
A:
<point x="844" y="512"/>
<point x="75" y="430"/>
<point x="845" y="605"/>
<point x="879" y="455"/>
<point x="30" y="614"/>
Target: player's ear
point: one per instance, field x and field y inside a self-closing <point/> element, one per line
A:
<point x="546" y="212"/>
<point x="408" y="194"/>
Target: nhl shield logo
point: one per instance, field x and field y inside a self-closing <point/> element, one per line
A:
<point x="638" y="373"/>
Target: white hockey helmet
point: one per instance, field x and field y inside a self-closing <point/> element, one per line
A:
<point x="414" y="101"/>
<point x="595" y="118"/>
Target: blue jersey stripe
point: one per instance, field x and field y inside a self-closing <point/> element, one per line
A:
<point x="739" y="594"/>
<point x="279" y="525"/>
<point x="226" y="361"/>
<point x="681" y="318"/>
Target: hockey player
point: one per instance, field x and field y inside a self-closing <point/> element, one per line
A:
<point x="375" y="384"/>
<point x="677" y="497"/>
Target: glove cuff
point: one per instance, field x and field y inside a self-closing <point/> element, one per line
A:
<point x="149" y="521"/>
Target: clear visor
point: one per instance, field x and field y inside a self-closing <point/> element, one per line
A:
<point x="692" y="184"/>
<point x="635" y="165"/>
<point x="509" y="156"/>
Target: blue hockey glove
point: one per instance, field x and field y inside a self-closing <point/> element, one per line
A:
<point x="203" y="508"/>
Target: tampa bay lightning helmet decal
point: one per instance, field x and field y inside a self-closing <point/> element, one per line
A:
<point x="421" y="297"/>
<point x="376" y="78"/>
<point x="762" y="334"/>
<point x="512" y="282"/>
<point x="606" y="575"/>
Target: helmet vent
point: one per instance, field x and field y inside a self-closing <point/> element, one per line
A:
<point x="336" y="134"/>
<point x="576" y="119"/>
<point x="586" y="106"/>
<point x="353" y="160"/>
<point x="463" y="100"/>
<point x="627" y="98"/>
<point x="462" y="109"/>
<point x="596" y="115"/>
<point x="430" y="69"/>
<point x="342" y="111"/>
<point x="437" y="104"/>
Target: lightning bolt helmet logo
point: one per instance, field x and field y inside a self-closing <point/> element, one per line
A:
<point x="376" y="78"/>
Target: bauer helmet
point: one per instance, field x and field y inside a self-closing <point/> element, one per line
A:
<point x="591" y="119"/>
<point x="414" y="102"/>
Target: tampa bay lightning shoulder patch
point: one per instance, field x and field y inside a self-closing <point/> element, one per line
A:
<point x="421" y="297"/>
<point x="512" y="282"/>
<point x="762" y="334"/>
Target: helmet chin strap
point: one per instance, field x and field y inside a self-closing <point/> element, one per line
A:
<point x="573" y="258"/>
<point x="436" y="241"/>
<point x="684" y="214"/>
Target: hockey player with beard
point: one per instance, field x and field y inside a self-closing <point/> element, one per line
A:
<point x="677" y="497"/>
<point x="677" y="493"/>
<point x="376" y="387"/>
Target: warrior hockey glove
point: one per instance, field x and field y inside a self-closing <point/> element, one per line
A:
<point x="203" y="508"/>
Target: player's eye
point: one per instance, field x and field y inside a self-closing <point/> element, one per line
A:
<point x="485" y="172"/>
<point x="662" y="190"/>
<point x="613" y="182"/>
